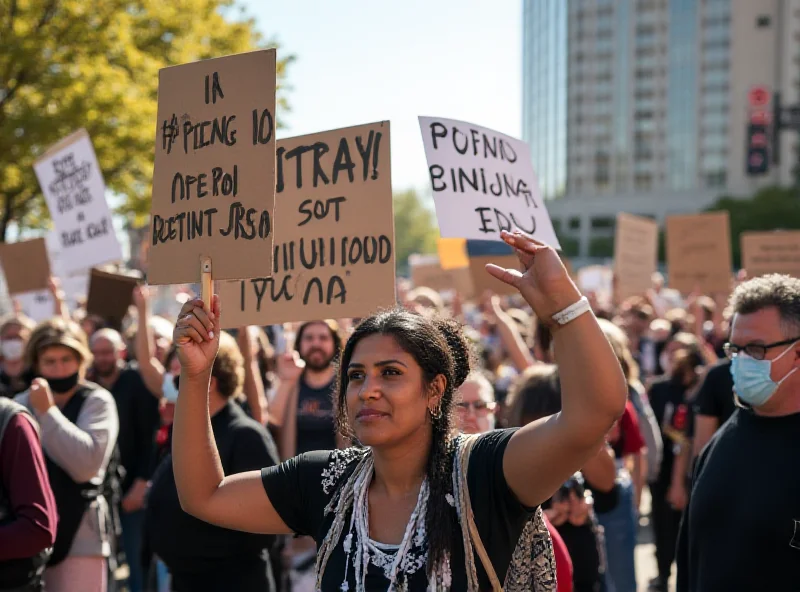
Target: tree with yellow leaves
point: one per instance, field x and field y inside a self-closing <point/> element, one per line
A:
<point x="67" y="64"/>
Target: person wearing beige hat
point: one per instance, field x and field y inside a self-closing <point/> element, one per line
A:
<point x="79" y="426"/>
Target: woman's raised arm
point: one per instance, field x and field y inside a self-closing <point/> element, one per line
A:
<point x="543" y="454"/>
<point x="239" y="501"/>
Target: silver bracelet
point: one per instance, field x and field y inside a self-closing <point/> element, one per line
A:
<point x="573" y="311"/>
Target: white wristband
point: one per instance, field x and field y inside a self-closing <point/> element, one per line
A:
<point x="573" y="311"/>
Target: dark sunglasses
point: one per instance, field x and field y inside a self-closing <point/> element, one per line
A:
<point x="757" y="351"/>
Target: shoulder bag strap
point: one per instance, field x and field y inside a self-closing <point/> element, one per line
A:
<point x="475" y="536"/>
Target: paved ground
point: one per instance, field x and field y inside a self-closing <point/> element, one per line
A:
<point x="646" y="568"/>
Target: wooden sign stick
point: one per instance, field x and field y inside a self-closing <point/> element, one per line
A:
<point x="206" y="282"/>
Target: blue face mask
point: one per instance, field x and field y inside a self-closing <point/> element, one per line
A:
<point x="169" y="388"/>
<point x="752" y="379"/>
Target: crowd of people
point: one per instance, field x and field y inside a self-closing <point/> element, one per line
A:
<point x="446" y="444"/>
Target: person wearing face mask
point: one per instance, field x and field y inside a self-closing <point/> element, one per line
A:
<point x="742" y="525"/>
<point x="79" y="426"/>
<point x="14" y="376"/>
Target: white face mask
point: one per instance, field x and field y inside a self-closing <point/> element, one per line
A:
<point x="169" y="389"/>
<point x="12" y="349"/>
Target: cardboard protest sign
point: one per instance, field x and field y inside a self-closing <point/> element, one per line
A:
<point x="75" y="192"/>
<point x="452" y="253"/>
<point x="426" y="270"/>
<point x="482" y="252"/>
<point x="214" y="178"/>
<point x="635" y="255"/>
<point x="110" y="296"/>
<point x="483" y="182"/>
<point x="25" y="265"/>
<point x="39" y="305"/>
<point x="333" y="255"/>
<point x="699" y="253"/>
<point x="771" y="252"/>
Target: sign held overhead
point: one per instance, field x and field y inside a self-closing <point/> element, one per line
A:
<point x="333" y="255"/>
<point x="214" y="178"/>
<point x="74" y="190"/>
<point x="483" y="182"/>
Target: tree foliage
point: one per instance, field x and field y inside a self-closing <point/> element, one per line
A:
<point x="67" y="64"/>
<point x="415" y="229"/>
<point x="772" y="208"/>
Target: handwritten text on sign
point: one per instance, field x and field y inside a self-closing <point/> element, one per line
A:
<point x="214" y="180"/>
<point x="483" y="182"/>
<point x="333" y="254"/>
<point x="74" y="189"/>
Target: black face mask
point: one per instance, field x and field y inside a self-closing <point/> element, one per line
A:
<point x="62" y="385"/>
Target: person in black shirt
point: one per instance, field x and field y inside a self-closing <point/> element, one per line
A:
<point x="138" y="422"/>
<point x="303" y="405"/>
<point x="742" y="525"/>
<point x="669" y="398"/>
<point x="202" y="557"/>
<point x="713" y="405"/>
<point x="407" y="508"/>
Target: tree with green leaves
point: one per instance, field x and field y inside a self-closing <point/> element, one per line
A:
<point x="67" y="64"/>
<point x="415" y="229"/>
<point x="772" y="208"/>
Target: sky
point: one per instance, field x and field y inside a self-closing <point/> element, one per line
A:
<point x="361" y="61"/>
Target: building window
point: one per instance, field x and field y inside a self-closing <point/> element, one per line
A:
<point x="762" y="22"/>
<point x="574" y="223"/>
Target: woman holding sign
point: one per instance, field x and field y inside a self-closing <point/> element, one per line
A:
<point x="416" y="507"/>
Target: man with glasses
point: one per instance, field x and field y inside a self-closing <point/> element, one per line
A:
<point x="741" y="529"/>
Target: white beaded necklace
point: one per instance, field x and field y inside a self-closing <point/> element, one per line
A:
<point x="398" y="567"/>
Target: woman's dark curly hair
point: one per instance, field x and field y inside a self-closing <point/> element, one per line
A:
<point x="439" y="346"/>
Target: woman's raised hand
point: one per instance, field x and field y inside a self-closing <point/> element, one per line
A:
<point x="544" y="283"/>
<point x="197" y="336"/>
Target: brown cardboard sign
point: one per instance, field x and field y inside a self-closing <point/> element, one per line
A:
<point x="333" y="255"/>
<point x="699" y="253"/>
<point x="427" y="271"/>
<point x="110" y="296"/>
<point x="771" y="252"/>
<point x="26" y="265"/>
<point x="635" y="254"/>
<point x="214" y="178"/>
<point x="483" y="280"/>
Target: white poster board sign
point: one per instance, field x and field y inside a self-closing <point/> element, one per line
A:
<point x="38" y="305"/>
<point x="483" y="182"/>
<point x="76" y="284"/>
<point x="73" y="187"/>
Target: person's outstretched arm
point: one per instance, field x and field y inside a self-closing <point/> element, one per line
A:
<point x="543" y="454"/>
<point x="149" y="367"/>
<point x="238" y="501"/>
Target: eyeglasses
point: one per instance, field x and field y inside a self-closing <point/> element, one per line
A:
<point x="757" y="351"/>
<point x="480" y="407"/>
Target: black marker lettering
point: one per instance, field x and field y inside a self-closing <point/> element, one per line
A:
<point x="320" y="148"/>
<point x="364" y="152"/>
<point x="437" y="131"/>
<point x="343" y="162"/>
<point x="457" y="131"/>
<point x="437" y="172"/>
<point x="484" y="220"/>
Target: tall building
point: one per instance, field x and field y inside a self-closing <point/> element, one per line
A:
<point x="645" y="106"/>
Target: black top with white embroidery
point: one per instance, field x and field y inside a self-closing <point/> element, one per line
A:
<point x="301" y="488"/>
